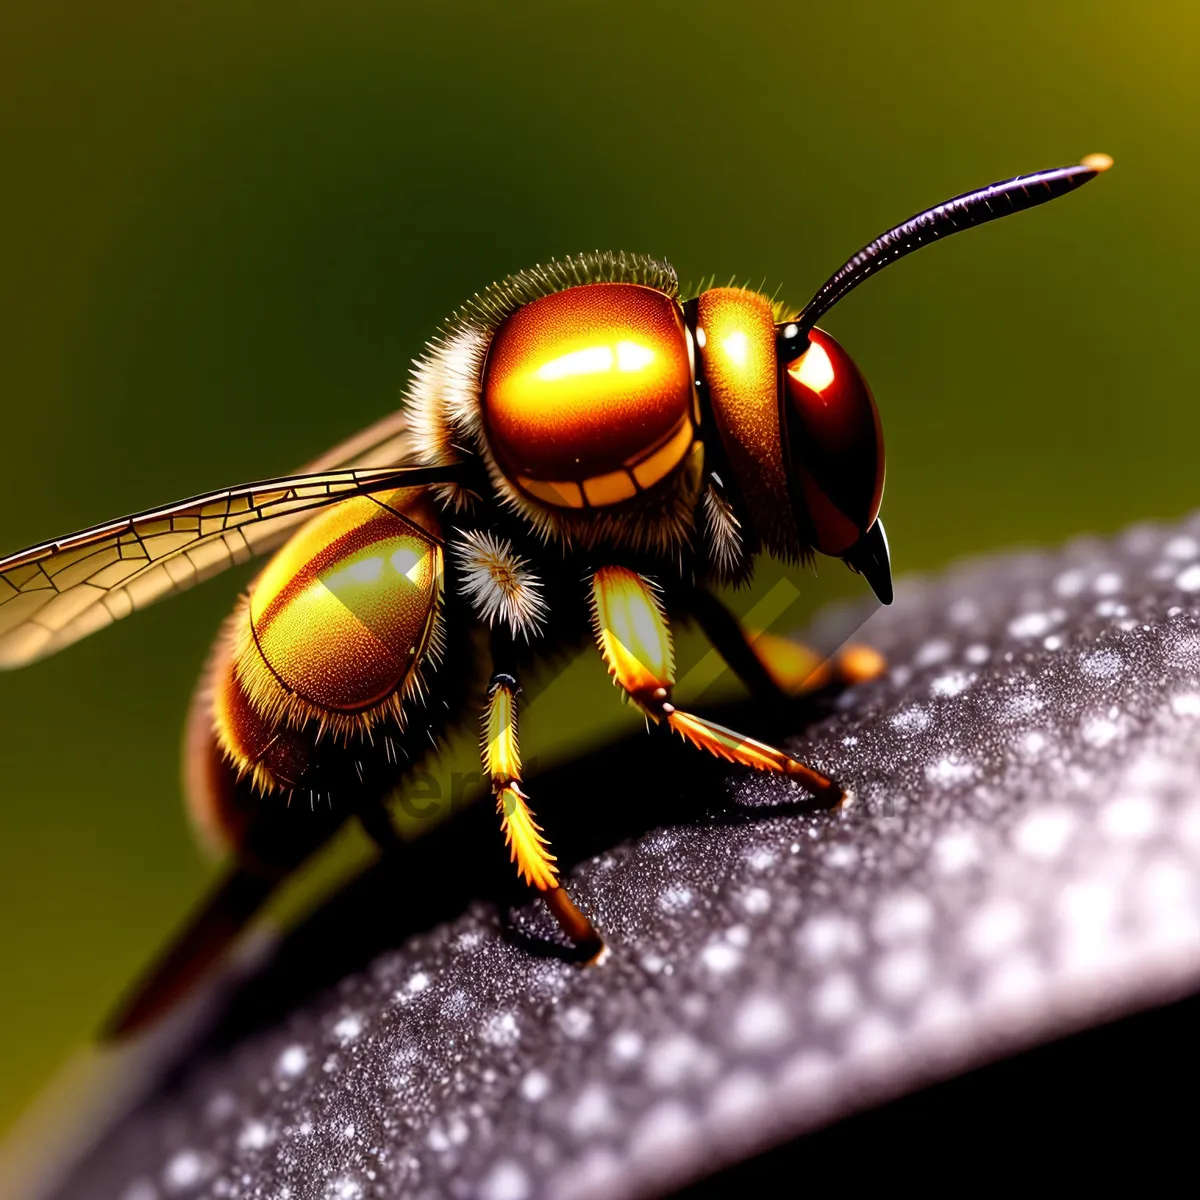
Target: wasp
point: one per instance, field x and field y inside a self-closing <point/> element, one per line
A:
<point x="580" y="445"/>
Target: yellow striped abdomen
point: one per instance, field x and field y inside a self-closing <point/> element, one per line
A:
<point x="332" y="639"/>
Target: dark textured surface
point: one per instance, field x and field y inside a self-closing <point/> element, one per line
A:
<point x="1022" y="861"/>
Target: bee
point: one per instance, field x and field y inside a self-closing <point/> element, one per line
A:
<point x="580" y="445"/>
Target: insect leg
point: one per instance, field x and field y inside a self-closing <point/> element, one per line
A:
<point x="635" y="640"/>
<point x="527" y="845"/>
<point x="774" y="667"/>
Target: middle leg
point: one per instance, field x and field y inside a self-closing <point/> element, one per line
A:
<point x="527" y="845"/>
<point x="634" y="638"/>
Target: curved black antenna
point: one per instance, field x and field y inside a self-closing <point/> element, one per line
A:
<point x="970" y="209"/>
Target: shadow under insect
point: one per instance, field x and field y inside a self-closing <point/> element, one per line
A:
<point x="596" y="802"/>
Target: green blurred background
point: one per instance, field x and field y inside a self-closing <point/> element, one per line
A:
<point x="226" y="229"/>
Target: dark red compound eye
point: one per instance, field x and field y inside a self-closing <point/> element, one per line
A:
<point x="835" y="444"/>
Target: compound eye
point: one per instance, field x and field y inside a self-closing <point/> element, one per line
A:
<point x="835" y="444"/>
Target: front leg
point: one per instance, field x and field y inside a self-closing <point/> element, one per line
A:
<point x="527" y="845"/>
<point x="635" y="640"/>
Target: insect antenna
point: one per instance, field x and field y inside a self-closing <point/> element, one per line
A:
<point x="963" y="212"/>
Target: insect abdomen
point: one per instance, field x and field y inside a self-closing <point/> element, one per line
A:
<point x="335" y="636"/>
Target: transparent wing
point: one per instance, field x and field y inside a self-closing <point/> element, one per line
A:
<point x="387" y="443"/>
<point x="56" y="593"/>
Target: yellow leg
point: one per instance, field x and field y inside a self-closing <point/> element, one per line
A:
<point x="635" y="640"/>
<point x="772" y="666"/>
<point x="527" y="845"/>
<point x="797" y="669"/>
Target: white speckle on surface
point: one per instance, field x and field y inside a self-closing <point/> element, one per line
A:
<point x="761" y="858"/>
<point x="186" y="1170"/>
<point x="456" y="1004"/>
<point x="1130" y="818"/>
<point x="348" y="1028"/>
<point x="902" y="917"/>
<point x="1029" y="625"/>
<point x="348" y="1132"/>
<point x="506" y="1180"/>
<point x="949" y="770"/>
<point x="1086" y="912"/>
<point x="1044" y="834"/>
<point x="977" y="654"/>
<point x="1186" y="704"/>
<point x="1021" y="706"/>
<point x="842" y="856"/>
<point x="665" y="1134"/>
<point x="1014" y="982"/>
<point x="910" y="720"/>
<point x="902" y="974"/>
<point x="963" y="611"/>
<point x="874" y="1037"/>
<point x="995" y="927"/>
<point x="1103" y="664"/>
<point x="1070" y="583"/>
<point x="761" y="1022"/>
<point x="501" y="1029"/>
<point x="1188" y="580"/>
<point x="1107" y="583"/>
<point x="345" y="1188"/>
<point x="1033" y="743"/>
<point x="675" y="899"/>
<point x="941" y="1012"/>
<point x="737" y="1104"/>
<point x="1166" y="896"/>
<point x="829" y="937"/>
<point x="254" y="1135"/>
<point x="592" y="1113"/>
<point x="1053" y="642"/>
<point x="292" y="1061"/>
<point x="756" y="901"/>
<point x="951" y="684"/>
<point x="1182" y="547"/>
<point x="596" y="1173"/>
<point x="676" y="1058"/>
<point x="625" y="1046"/>
<point x="535" y="1086"/>
<point x="1099" y="731"/>
<point x="835" y="999"/>
<point x="575" y="1022"/>
<point x="955" y="851"/>
<point x="417" y="982"/>
<point x="935" y="651"/>
<point x="1181" y="648"/>
<point x="721" y="958"/>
